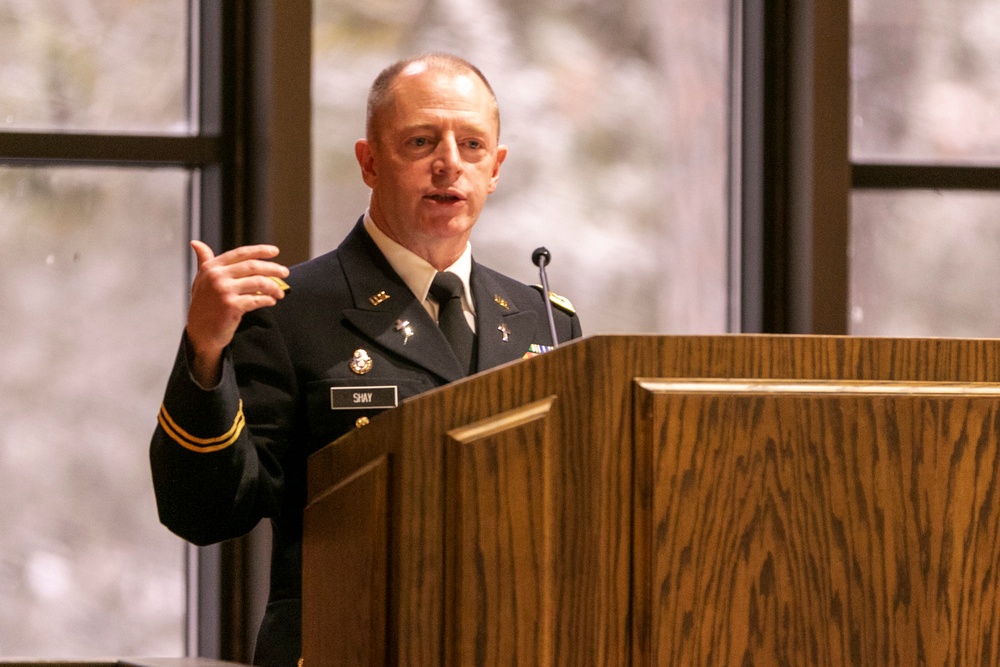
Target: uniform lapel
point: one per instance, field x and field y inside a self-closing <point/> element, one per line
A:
<point x="503" y="332"/>
<point x="383" y="303"/>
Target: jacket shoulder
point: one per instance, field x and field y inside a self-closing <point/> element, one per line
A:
<point x="559" y="301"/>
<point x="525" y="294"/>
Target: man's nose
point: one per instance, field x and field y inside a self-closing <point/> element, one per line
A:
<point x="447" y="159"/>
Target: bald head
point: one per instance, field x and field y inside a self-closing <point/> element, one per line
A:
<point x="380" y="96"/>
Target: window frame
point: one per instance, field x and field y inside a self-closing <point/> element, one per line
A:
<point x="794" y="170"/>
<point x="248" y="154"/>
<point x="796" y="173"/>
<point x="206" y="152"/>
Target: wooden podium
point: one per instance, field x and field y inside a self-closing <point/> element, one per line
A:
<point x="692" y="500"/>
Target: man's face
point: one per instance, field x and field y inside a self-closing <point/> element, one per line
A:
<point x="433" y="161"/>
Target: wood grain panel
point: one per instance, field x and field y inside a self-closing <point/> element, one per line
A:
<point x="610" y="600"/>
<point x="346" y="534"/>
<point x="498" y="540"/>
<point x="825" y="528"/>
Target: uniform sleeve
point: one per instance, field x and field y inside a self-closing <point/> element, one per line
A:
<point x="567" y="320"/>
<point x="576" y="330"/>
<point x="216" y="453"/>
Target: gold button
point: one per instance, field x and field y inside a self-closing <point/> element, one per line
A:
<point x="362" y="421"/>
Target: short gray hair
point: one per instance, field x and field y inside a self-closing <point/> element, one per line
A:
<point x="380" y="93"/>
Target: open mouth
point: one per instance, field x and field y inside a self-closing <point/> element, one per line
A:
<point x="444" y="198"/>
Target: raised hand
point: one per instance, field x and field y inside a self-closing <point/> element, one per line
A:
<point x="225" y="287"/>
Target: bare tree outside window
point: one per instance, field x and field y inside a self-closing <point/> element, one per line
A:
<point x="95" y="65"/>
<point x="615" y="114"/>
<point x="926" y="79"/>
<point x="93" y="263"/>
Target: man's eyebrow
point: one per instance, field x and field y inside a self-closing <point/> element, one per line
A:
<point x="418" y="127"/>
<point x="482" y="128"/>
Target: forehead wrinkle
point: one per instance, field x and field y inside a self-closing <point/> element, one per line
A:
<point x="460" y="125"/>
<point x="424" y="100"/>
<point x="436" y="119"/>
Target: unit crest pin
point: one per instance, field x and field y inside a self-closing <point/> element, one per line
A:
<point x="360" y="363"/>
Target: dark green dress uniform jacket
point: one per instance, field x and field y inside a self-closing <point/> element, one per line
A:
<point x="223" y="459"/>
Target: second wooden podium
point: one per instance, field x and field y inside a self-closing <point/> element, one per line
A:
<point x="692" y="500"/>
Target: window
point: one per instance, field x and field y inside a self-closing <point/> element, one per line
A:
<point x="93" y="260"/>
<point x="616" y="117"/>
<point x="925" y="149"/>
<point x="109" y="158"/>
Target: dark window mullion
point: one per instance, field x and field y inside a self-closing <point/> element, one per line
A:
<point x="885" y="176"/>
<point x="104" y="149"/>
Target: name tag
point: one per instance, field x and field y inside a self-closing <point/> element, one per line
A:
<point x="352" y="398"/>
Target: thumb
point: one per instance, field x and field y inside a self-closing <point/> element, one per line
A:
<point x="202" y="251"/>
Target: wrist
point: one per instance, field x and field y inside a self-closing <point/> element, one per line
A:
<point x="204" y="362"/>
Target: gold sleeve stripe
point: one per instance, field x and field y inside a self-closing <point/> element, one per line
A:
<point x="201" y="445"/>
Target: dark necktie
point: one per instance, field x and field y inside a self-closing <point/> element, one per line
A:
<point x="447" y="290"/>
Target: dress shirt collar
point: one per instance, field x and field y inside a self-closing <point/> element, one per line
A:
<point x="416" y="272"/>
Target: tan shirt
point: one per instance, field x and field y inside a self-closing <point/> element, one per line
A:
<point x="418" y="274"/>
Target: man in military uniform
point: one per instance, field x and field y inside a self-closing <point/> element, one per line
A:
<point x="276" y="363"/>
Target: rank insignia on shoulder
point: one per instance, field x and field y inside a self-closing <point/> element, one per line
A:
<point x="560" y="302"/>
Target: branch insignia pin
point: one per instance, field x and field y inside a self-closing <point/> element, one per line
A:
<point x="404" y="327"/>
<point x="505" y="331"/>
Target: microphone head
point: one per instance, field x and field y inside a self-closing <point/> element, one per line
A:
<point x="539" y="255"/>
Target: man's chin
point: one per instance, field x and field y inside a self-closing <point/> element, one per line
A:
<point x="448" y="227"/>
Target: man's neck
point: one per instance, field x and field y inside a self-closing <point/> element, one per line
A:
<point x="439" y="253"/>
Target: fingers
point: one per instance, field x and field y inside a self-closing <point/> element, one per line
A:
<point x="256" y="267"/>
<point x="248" y="252"/>
<point x="238" y="280"/>
<point x="202" y="252"/>
<point x="261" y="251"/>
<point x="242" y="292"/>
<point x="258" y="285"/>
<point x="241" y="262"/>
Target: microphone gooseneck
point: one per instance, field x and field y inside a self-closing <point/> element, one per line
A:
<point x="541" y="257"/>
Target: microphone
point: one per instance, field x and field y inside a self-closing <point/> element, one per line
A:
<point x="541" y="257"/>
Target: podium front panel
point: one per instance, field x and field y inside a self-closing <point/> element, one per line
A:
<point x="822" y="523"/>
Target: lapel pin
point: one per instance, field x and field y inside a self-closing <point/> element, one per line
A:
<point x="360" y="363"/>
<point x="505" y="331"/>
<point x="502" y="301"/>
<point x="376" y="299"/>
<point x="404" y="327"/>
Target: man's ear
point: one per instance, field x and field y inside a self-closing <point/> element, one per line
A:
<point x="366" y="160"/>
<point x="495" y="177"/>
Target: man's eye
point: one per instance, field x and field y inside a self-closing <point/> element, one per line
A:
<point x="475" y="144"/>
<point x="420" y="142"/>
